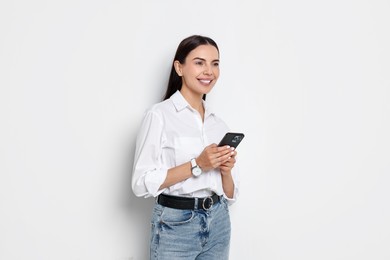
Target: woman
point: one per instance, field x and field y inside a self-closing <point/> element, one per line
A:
<point x="178" y="161"/>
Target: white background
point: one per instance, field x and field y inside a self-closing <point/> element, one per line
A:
<point x="307" y="82"/>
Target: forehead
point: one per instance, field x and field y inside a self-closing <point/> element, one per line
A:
<point x="207" y="52"/>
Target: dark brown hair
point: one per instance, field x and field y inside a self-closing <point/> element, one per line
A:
<point x="184" y="48"/>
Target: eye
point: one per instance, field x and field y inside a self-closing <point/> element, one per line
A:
<point x="216" y="64"/>
<point x="199" y="62"/>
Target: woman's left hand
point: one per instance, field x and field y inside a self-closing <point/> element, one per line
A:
<point x="227" y="166"/>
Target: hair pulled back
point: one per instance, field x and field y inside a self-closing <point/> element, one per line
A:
<point x="184" y="48"/>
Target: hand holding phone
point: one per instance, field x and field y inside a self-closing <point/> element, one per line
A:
<point x="231" y="139"/>
<point x="211" y="158"/>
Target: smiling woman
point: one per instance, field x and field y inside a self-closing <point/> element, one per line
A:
<point x="200" y="70"/>
<point x="199" y="73"/>
<point x="177" y="160"/>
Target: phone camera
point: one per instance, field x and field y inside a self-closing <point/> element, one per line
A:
<point x="237" y="139"/>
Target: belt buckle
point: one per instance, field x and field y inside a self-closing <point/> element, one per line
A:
<point x="211" y="203"/>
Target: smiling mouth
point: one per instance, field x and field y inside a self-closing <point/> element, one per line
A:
<point x="205" y="81"/>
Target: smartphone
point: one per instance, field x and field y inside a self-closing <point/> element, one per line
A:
<point x="231" y="139"/>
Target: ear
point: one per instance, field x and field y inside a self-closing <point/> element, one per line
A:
<point x="178" y="67"/>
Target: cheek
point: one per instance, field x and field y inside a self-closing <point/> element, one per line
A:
<point x="216" y="73"/>
<point x="191" y="72"/>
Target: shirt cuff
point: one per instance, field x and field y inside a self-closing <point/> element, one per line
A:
<point x="154" y="180"/>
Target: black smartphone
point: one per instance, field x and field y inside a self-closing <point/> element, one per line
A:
<point x="231" y="139"/>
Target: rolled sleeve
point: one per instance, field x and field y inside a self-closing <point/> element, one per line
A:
<point x="236" y="181"/>
<point x="148" y="184"/>
<point x="148" y="171"/>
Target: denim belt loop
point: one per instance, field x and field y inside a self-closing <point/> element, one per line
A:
<point x="196" y="204"/>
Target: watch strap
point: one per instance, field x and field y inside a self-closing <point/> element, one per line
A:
<point x="193" y="163"/>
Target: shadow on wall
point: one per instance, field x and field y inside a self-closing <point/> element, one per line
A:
<point x="138" y="213"/>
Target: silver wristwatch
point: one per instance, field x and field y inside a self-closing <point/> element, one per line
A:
<point x="195" y="169"/>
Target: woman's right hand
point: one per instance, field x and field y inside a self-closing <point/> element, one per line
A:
<point x="213" y="156"/>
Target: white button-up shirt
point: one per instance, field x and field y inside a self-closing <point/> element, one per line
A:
<point x="172" y="133"/>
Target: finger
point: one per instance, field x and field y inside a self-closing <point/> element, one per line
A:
<point x="218" y="160"/>
<point x="226" y="166"/>
<point x="224" y="148"/>
<point x="223" y="158"/>
<point x="219" y="155"/>
<point x="228" y="151"/>
<point x="229" y="163"/>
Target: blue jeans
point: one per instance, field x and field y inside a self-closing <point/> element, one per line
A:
<point x="190" y="234"/>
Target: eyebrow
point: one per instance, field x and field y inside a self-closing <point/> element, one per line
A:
<point x="198" y="58"/>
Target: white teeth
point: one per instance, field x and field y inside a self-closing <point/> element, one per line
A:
<point x="205" y="81"/>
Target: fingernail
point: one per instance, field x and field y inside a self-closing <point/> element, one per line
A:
<point x="232" y="148"/>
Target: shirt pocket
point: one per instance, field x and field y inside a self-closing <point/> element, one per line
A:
<point x="187" y="148"/>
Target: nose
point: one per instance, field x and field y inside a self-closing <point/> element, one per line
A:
<point x="208" y="70"/>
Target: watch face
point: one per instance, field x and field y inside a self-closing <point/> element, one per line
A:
<point x="196" y="171"/>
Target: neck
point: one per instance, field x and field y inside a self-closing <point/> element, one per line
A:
<point x="195" y="100"/>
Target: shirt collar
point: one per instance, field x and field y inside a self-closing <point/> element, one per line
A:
<point x="181" y="103"/>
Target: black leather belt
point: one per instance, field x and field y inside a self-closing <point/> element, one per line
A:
<point x="187" y="203"/>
